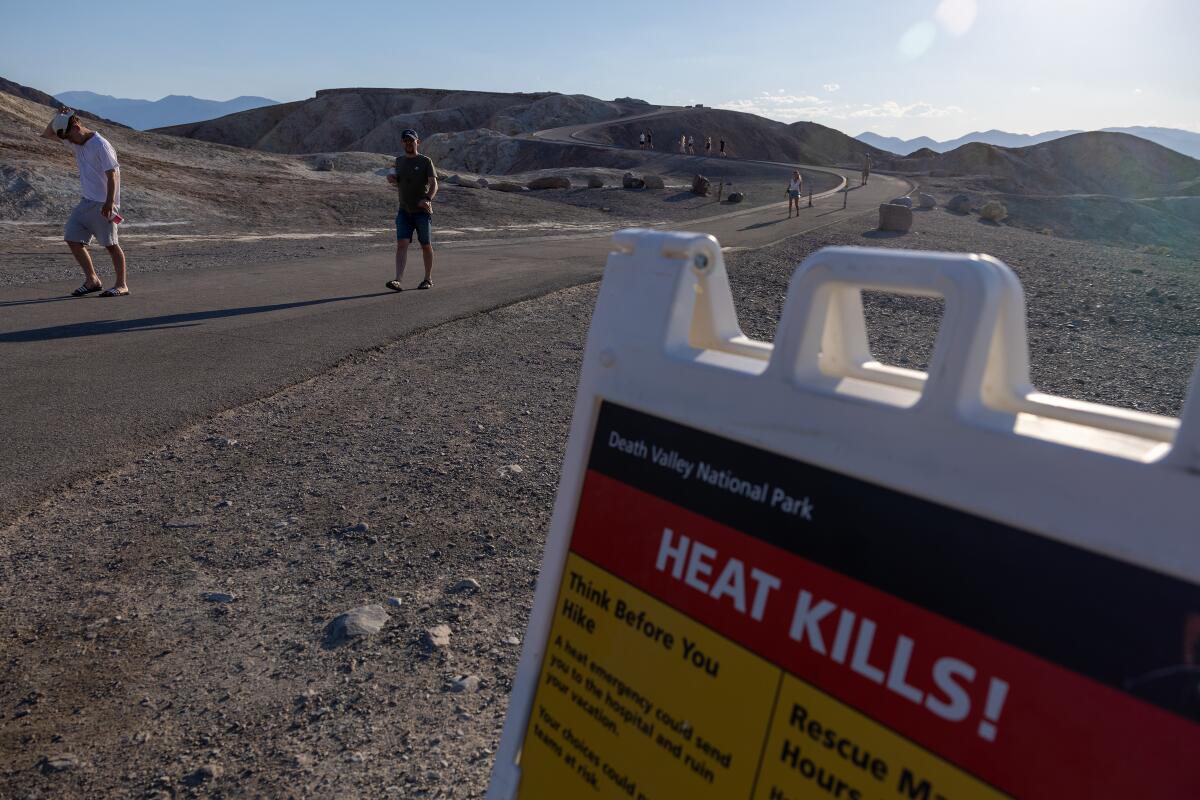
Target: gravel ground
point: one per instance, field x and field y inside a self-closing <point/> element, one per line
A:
<point x="407" y="472"/>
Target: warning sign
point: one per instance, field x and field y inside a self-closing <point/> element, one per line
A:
<point x="733" y="623"/>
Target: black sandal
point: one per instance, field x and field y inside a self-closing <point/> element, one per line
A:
<point x="394" y="286"/>
<point x="85" y="290"/>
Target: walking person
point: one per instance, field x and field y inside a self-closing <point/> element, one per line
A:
<point x="691" y="145"/>
<point x="649" y="140"/>
<point x="96" y="214"/>
<point x="416" y="178"/>
<point x="866" y="173"/>
<point x="707" y="146"/>
<point x="682" y="143"/>
<point x="722" y="148"/>
<point x="641" y="141"/>
<point x="794" y="190"/>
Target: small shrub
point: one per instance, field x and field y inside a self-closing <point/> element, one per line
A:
<point x="993" y="211"/>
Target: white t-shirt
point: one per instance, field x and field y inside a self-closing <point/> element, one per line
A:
<point x="95" y="157"/>
<point x="795" y="184"/>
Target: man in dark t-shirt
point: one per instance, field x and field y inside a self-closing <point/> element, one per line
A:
<point x="415" y="177"/>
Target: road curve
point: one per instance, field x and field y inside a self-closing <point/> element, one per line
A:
<point x="93" y="383"/>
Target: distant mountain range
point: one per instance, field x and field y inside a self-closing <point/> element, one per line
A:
<point x="1180" y="141"/>
<point x="173" y="109"/>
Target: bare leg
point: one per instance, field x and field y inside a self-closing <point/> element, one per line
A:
<point x="427" y="254"/>
<point x="401" y="257"/>
<point x="84" y="258"/>
<point x="118" y="258"/>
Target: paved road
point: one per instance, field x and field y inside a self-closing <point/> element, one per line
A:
<point x="89" y="383"/>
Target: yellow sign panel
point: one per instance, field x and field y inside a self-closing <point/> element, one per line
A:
<point x="819" y="747"/>
<point x="636" y="700"/>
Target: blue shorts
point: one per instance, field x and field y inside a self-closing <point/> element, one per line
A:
<point x="794" y="194"/>
<point x="419" y="222"/>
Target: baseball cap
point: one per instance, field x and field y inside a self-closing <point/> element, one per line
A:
<point x="60" y="122"/>
<point x="409" y="133"/>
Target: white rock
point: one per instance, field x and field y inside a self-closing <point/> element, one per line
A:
<point x="465" y="683"/>
<point x="395" y="602"/>
<point x="466" y="585"/>
<point x="218" y="597"/>
<point x="361" y="621"/>
<point x="438" y="636"/>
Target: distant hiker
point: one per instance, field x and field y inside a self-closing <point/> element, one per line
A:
<point x="795" y="187"/>
<point x="691" y="145"/>
<point x="649" y="140"/>
<point x="682" y="143"/>
<point x="641" y="141"/>
<point x="708" y="145"/>
<point x="415" y="177"/>
<point x="866" y="168"/>
<point x="96" y="214"/>
<point x="722" y="148"/>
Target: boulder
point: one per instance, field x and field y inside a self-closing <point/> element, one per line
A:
<point x="550" y="182"/>
<point x="594" y="182"/>
<point x="631" y="181"/>
<point x="471" y="183"/>
<point x="324" y="164"/>
<point x="895" y="217"/>
<point x="960" y="203"/>
<point x="482" y="183"/>
<point x="993" y="211"/>
<point x="926" y="200"/>
<point x="700" y="185"/>
<point x="736" y="197"/>
<point x="653" y="182"/>
<point x="506" y="186"/>
<point x="902" y="201"/>
<point x="361" y="621"/>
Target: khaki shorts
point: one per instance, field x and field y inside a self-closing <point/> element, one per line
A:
<point x="86" y="221"/>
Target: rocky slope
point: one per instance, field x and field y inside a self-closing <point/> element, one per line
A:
<point x="1114" y="164"/>
<point x="746" y="136"/>
<point x="371" y="120"/>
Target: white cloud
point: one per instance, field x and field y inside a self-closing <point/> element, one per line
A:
<point x="831" y="87"/>
<point x="890" y="108"/>
<point x="787" y="108"/>
<point x="1137" y="91"/>
<point x="1035" y="89"/>
<point x="956" y="16"/>
<point x="790" y="108"/>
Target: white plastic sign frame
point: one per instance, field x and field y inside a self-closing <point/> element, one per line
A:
<point x="972" y="437"/>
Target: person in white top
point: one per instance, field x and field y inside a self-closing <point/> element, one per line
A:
<point x="96" y="215"/>
<point x="795" y="187"/>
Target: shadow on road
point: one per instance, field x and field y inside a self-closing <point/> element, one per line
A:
<point x="766" y="224"/>
<point x="107" y="326"/>
<point x="8" y="303"/>
<point x="876" y="234"/>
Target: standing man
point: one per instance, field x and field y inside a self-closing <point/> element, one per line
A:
<point x="722" y="148"/>
<point x="866" y="168"/>
<point x="100" y="184"/>
<point x="416" y="178"/>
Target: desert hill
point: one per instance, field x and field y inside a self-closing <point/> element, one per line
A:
<point x="746" y="136"/>
<point x="169" y="178"/>
<point x="1114" y="164"/>
<point x="370" y="120"/>
<point x="1177" y="139"/>
<point x="173" y="109"/>
<point x="38" y="96"/>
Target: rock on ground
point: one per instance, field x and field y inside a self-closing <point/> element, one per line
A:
<point x="895" y="217"/>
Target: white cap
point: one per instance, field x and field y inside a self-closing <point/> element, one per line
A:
<point x="60" y="122"/>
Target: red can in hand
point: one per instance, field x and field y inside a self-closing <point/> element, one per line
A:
<point x="116" y="218"/>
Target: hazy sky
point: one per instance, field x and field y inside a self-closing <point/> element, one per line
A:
<point x="934" y="67"/>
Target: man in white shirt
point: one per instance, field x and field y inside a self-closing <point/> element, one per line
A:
<point x="100" y="181"/>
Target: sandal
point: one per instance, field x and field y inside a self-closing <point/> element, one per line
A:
<point x="425" y="284"/>
<point x="85" y="289"/>
<point x="394" y="286"/>
<point x="116" y="291"/>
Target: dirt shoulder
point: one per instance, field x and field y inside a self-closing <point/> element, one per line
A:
<point x="403" y="473"/>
